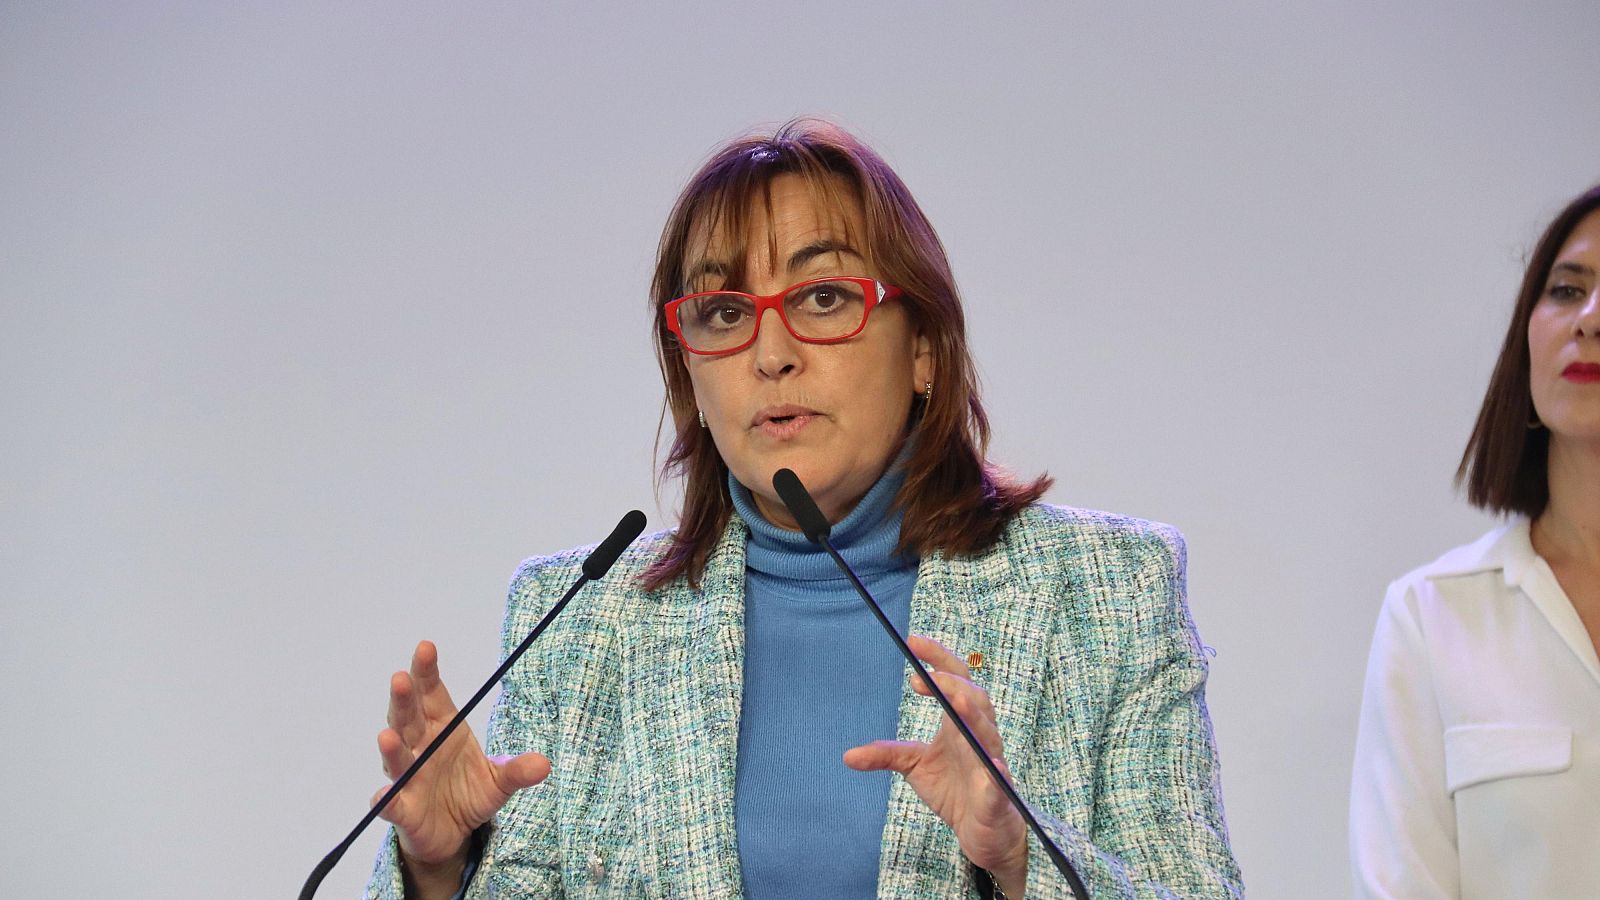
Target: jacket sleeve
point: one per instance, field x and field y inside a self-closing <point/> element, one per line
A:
<point x="1156" y="829"/>
<point x="1402" y="822"/>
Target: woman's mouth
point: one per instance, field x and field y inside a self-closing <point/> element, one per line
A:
<point x="783" y="421"/>
<point x="1582" y="373"/>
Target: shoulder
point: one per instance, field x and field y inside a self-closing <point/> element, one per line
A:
<point x="1107" y="569"/>
<point x="1064" y="535"/>
<point x="536" y="576"/>
<point x="1109" y="587"/>
<point x="1497" y="550"/>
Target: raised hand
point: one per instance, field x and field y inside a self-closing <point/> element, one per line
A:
<point x="460" y="787"/>
<point x="948" y="777"/>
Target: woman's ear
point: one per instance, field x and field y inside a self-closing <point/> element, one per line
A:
<point x="921" y="363"/>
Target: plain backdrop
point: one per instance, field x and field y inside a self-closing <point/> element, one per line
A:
<point x="316" y="318"/>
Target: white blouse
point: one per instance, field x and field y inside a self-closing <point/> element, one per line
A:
<point x="1477" y="768"/>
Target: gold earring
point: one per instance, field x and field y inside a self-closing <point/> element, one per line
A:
<point x="927" y="392"/>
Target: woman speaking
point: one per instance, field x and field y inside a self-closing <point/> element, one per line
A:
<point x="722" y="716"/>
<point x="1477" y="770"/>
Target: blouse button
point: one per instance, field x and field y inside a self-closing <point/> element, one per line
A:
<point x="597" y="866"/>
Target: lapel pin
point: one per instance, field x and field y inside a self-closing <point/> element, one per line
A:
<point x="975" y="661"/>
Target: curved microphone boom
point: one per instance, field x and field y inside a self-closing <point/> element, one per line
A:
<point x="595" y="566"/>
<point x="816" y="528"/>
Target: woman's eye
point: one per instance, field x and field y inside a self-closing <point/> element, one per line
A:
<point x="725" y="315"/>
<point x="1561" y="291"/>
<point x="721" y="314"/>
<point x="826" y="298"/>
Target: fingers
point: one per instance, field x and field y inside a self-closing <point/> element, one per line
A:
<point x="401" y="812"/>
<point x="431" y="693"/>
<point x="955" y="679"/>
<point x="395" y="812"/>
<point x="395" y="751"/>
<point x="938" y="656"/>
<point x="971" y="703"/>
<point x="405" y="716"/>
<point x="966" y="697"/>
<point x="896" y="756"/>
<point x="418" y="697"/>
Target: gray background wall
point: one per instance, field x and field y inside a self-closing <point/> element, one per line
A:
<point x="289" y="380"/>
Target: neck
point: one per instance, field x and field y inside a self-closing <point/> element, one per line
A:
<point x="1569" y="527"/>
<point x="868" y="536"/>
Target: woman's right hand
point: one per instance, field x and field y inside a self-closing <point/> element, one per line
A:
<point x="459" y="789"/>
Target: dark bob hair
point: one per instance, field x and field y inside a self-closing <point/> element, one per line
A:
<point x="1504" y="465"/>
<point x="953" y="500"/>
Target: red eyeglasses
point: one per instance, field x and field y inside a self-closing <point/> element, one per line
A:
<point x="819" y="311"/>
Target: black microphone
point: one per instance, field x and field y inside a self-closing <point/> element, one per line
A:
<point x="595" y="566"/>
<point x="804" y="509"/>
<point x="599" y="562"/>
<point x="816" y="528"/>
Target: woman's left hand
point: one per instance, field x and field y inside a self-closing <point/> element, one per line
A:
<point x="948" y="777"/>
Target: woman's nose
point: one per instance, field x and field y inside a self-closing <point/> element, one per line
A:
<point x="1588" y="324"/>
<point x="776" y="350"/>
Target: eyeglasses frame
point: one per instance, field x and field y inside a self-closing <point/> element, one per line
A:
<point x="881" y="293"/>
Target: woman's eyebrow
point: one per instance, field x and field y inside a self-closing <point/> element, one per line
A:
<point x="815" y="249"/>
<point x="702" y="268"/>
<point x="1574" y="268"/>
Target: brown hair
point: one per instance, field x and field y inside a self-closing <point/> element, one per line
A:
<point x="954" y="501"/>
<point x="1504" y="465"/>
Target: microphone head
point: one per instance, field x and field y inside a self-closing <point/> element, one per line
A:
<point x="804" y="509"/>
<point x="596" y="564"/>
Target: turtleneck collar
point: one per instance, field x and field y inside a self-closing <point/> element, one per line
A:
<point x="866" y="537"/>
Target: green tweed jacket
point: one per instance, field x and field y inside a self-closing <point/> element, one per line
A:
<point x="1090" y="658"/>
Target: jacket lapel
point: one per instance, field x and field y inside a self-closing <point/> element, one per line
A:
<point x="970" y="605"/>
<point x="683" y="676"/>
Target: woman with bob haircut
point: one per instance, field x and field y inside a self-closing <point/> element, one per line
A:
<point x="722" y="716"/>
<point x="1477" y="768"/>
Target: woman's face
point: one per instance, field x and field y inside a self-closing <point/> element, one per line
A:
<point x="834" y="413"/>
<point x="1564" y="339"/>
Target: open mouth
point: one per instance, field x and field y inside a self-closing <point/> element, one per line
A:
<point x="785" y="414"/>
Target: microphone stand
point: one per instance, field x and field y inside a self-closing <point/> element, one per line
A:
<point x="594" y="566"/>
<point x="816" y="528"/>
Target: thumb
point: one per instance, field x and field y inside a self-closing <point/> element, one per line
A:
<point x="896" y="756"/>
<point x="514" y="773"/>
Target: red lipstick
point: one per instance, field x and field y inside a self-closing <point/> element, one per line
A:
<point x="1582" y="373"/>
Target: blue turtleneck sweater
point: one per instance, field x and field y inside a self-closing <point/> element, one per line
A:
<point x="820" y="677"/>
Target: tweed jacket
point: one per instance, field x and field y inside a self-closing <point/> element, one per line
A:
<point x="1092" y="663"/>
